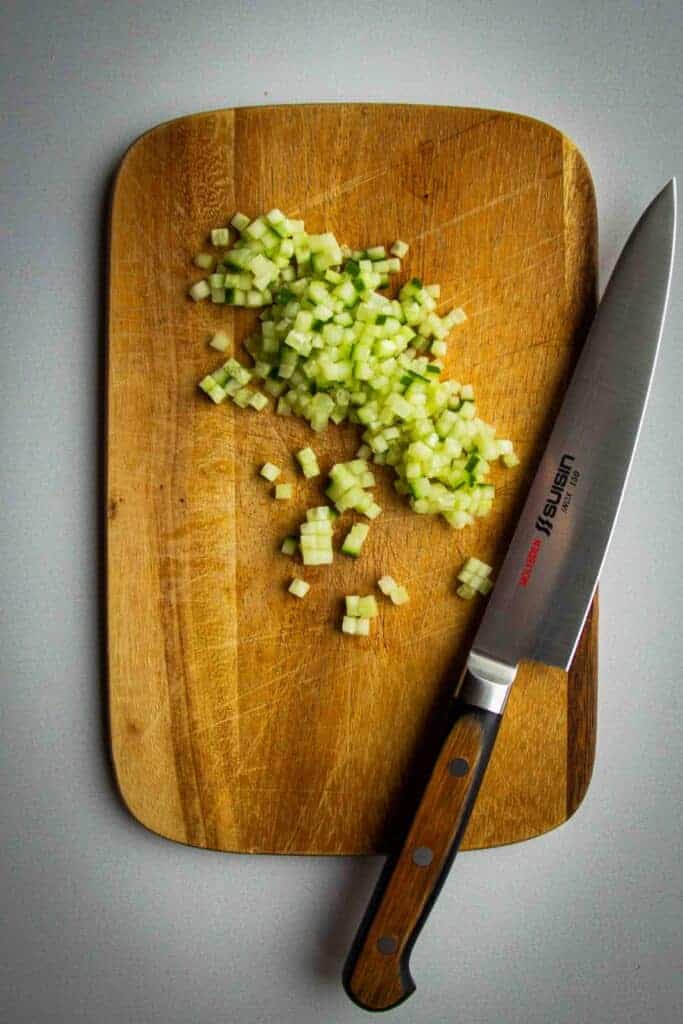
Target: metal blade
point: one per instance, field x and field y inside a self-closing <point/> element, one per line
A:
<point x="548" y="578"/>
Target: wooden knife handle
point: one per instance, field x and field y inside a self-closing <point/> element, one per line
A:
<point x="377" y="975"/>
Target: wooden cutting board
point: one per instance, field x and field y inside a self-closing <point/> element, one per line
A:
<point x="241" y="718"/>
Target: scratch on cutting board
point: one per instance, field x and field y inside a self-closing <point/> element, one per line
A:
<point x="295" y="828"/>
<point x="462" y="299"/>
<point x="281" y="690"/>
<point x="534" y="266"/>
<point x="475" y="210"/>
<point x="363" y="179"/>
<point x="283" y="633"/>
<point x="442" y="140"/>
<point x="274" y="433"/>
<point x="346" y="186"/>
<point x="279" y="694"/>
<point x="514" y="352"/>
<point x="420" y="636"/>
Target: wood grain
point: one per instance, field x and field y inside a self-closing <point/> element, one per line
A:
<point x="241" y="718"/>
<point x="377" y="974"/>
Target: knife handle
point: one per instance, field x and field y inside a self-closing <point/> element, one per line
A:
<point x="377" y="975"/>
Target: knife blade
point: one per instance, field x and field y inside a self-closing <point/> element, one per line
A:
<point x="542" y="595"/>
<point x="548" y="578"/>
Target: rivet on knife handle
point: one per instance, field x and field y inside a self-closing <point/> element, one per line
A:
<point x="377" y="975"/>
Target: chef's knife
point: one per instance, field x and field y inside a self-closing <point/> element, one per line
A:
<point x="542" y="596"/>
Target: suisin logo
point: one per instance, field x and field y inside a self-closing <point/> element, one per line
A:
<point x="544" y="522"/>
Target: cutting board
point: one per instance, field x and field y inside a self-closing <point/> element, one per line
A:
<point x="241" y="718"/>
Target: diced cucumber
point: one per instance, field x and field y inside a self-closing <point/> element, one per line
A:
<point x="474" y="578"/>
<point x="308" y="462"/>
<point x="391" y="589"/>
<point x="220" y="341"/>
<point x="354" y="540"/>
<point x="355" y="626"/>
<point x="204" y="260"/>
<point x="270" y="472"/>
<point x="220" y="237"/>
<point x="332" y="348"/>
<point x="200" y="290"/>
<point x="386" y="584"/>
<point x="399" y="249"/>
<point x="299" y="587"/>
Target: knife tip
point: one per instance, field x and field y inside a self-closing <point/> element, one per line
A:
<point x="671" y="189"/>
<point x="665" y="203"/>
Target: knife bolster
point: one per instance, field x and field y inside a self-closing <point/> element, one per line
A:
<point x="486" y="682"/>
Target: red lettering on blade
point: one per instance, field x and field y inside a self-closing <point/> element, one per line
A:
<point x="530" y="562"/>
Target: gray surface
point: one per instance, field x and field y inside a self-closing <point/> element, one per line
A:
<point x="105" y="922"/>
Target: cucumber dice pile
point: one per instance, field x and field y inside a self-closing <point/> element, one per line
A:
<point x="332" y="346"/>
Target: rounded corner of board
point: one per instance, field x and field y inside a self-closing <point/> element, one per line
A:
<point x="574" y="153"/>
<point x="140" y="818"/>
<point x="578" y="797"/>
<point x="152" y="134"/>
<point x="579" y="181"/>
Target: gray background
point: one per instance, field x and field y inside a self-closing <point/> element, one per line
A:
<point x="105" y="922"/>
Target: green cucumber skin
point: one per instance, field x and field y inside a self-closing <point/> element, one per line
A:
<point x="359" y="349"/>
